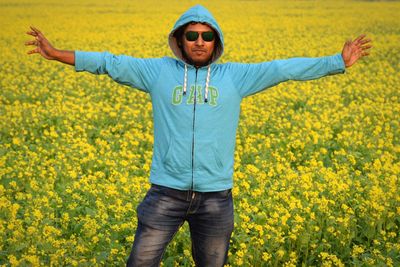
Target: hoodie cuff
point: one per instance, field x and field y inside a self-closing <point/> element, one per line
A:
<point x="78" y="61"/>
<point x="86" y="61"/>
<point x="337" y="64"/>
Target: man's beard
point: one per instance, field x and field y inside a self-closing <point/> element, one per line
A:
<point x="191" y="62"/>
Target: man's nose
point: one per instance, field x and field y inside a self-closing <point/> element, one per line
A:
<point x="199" y="41"/>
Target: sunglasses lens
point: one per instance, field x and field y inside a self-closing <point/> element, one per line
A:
<point x="192" y="36"/>
<point x="207" y="36"/>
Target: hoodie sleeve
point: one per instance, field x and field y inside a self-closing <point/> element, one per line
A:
<point x="256" y="77"/>
<point x="139" y="73"/>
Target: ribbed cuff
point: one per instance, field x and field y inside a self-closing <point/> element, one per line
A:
<point x="338" y="65"/>
<point x="78" y="61"/>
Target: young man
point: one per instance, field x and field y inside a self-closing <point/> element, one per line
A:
<point x="196" y="105"/>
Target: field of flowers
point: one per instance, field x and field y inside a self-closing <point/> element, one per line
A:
<point x="316" y="164"/>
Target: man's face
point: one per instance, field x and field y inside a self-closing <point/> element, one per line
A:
<point x="198" y="51"/>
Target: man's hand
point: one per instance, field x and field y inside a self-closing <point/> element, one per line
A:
<point x="43" y="45"/>
<point x="354" y="50"/>
<point x="47" y="50"/>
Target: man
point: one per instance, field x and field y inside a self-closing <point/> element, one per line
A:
<point x="196" y="106"/>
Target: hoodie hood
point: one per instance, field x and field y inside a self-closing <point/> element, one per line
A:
<point x="200" y="14"/>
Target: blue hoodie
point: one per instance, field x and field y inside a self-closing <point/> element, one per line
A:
<point x="196" y="110"/>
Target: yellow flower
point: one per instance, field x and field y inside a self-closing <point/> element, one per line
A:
<point x="266" y="256"/>
<point x="280" y="253"/>
<point x="16" y="141"/>
<point x="13" y="260"/>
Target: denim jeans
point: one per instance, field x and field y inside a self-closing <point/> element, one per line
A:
<point x="164" y="210"/>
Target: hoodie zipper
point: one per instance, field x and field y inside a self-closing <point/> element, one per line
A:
<point x="194" y="118"/>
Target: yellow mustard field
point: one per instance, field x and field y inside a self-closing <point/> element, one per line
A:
<point x="317" y="163"/>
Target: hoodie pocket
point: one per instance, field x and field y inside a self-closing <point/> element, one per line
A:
<point x="207" y="157"/>
<point x="178" y="157"/>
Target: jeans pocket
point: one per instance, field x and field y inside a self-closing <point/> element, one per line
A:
<point x="225" y="194"/>
<point x="150" y="196"/>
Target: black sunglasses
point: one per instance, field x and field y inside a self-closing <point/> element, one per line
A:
<point x="193" y="36"/>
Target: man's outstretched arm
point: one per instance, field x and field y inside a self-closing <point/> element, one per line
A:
<point x="45" y="49"/>
<point x="138" y="73"/>
<point x="256" y="77"/>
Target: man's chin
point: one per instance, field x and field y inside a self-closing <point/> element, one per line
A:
<point x="200" y="62"/>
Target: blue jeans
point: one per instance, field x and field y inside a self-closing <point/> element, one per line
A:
<point x="164" y="210"/>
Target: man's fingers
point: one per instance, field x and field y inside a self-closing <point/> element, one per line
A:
<point x="34" y="42"/>
<point x="32" y="33"/>
<point x="347" y="43"/>
<point x="34" y="51"/>
<point x="366" y="47"/>
<point x="358" y="42"/>
<point x="359" y="38"/>
<point x="35" y="29"/>
<point x="365" y="41"/>
<point x="37" y="32"/>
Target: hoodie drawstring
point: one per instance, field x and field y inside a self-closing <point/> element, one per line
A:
<point x="185" y="81"/>
<point x="207" y="82"/>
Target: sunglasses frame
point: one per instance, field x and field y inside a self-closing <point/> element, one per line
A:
<point x="202" y="36"/>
